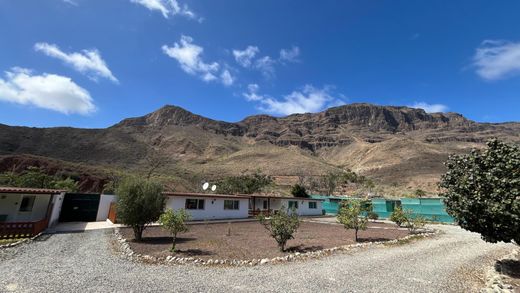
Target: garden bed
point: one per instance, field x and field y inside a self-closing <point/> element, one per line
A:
<point x="250" y="240"/>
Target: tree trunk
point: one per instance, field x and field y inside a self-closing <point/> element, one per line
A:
<point x="282" y="247"/>
<point x="138" y="232"/>
<point x="173" y="244"/>
<point x="356" y="234"/>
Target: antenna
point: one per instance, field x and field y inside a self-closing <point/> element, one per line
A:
<point x="205" y="185"/>
<point x="213" y="187"/>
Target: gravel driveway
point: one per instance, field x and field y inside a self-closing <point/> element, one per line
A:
<point x="84" y="262"/>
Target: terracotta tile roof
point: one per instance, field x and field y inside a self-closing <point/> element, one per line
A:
<point x="239" y="196"/>
<point x="29" y="190"/>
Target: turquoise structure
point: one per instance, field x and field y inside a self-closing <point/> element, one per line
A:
<point x="433" y="209"/>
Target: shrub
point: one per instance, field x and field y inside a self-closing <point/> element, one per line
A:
<point x="413" y="223"/>
<point x="175" y="223"/>
<point x="139" y="203"/>
<point x="373" y="215"/>
<point x="353" y="215"/>
<point x="482" y="191"/>
<point x="299" y="191"/>
<point x="282" y="226"/>
<point x="246" y="184"/>
<point x="398" y="216"/>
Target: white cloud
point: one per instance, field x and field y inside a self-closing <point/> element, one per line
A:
<point x="71" y="2"/>
<point x="88" y="62"/>
<point x="245" y="57"/>
<point x="227" y="78"/>
<point x="430" y="108"/>
<point x="497" y="59"/>
<point x="290" y="55"/>
<point x="167" y="7"/>
<point x="307" y="100"/>
<point x="189" y="57"/>
<point x="266" y="66"/>
<point x="48" y="91"/>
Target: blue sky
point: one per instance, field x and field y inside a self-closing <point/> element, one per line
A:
<point x="93" y="63"/>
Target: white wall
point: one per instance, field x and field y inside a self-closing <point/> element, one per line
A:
<point x="10" y="206"/>
<point x="56" y="209"/>
<point x="213" y="208"/>
<point x="303" y="205"/>
<point x="104" y="206"/>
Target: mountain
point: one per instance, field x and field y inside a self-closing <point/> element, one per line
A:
<point x="396" y="146"/>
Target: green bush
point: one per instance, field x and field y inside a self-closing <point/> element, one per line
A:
<point x="281" y="226"/>
<point x="244" y="184"/>
<point x="482" y="191"/>
<point x="373" y="216"/>
<point x="139" y="203"/>
<point x="398" y="216"/>
<point x="353" y="215"/>
<point x="299" y="191"/>
<point x="175" y="223"/>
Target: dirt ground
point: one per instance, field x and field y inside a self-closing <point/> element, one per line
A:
<point x="248" y="240"/>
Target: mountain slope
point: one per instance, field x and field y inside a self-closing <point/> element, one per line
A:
<point x="397" y="146"/>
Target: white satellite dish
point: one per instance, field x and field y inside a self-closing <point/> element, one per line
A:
<point x="205" y="186"/>
<point x="213" y="187"/>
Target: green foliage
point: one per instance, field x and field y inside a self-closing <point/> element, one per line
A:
<point x="299" y="191"/>
<point x="281" y="226"/>
<point x="398" y="216"/>
<point x="244" y="184"/>
<point x="332" y="180"/>
<point x="373" y="216"/>
<point x="175" y="223"/>
<point x="413" y="223"/>
<point x="34" y="177"/>
<point x="353" y="215"/>
<point x="419" y="193"/>
<point x="139" y="202"/>
<point x="482" y="191"/>
<point x="66" y="184"/>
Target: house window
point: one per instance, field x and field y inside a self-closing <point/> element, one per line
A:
<point x="27" y="203"/>
<point x="293" y="204"/>
<point x="194" y="204"/>
<point x="231" y="204"/>
<point x="265" y="205"/>
<point x="313" y="205"/>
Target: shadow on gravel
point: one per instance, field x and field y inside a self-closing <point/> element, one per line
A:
<point x="508" y="267"/>
<point x="194" y="252"/>
<point x="164" y="240"/>
<point x="372" y="239"/>
<point x="303" y="249"/>
<point x="43" y="237"/>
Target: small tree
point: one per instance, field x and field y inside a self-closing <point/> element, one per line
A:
<point x="398" y="216"/>
<point x="175" y="223"/>
<point x="298" y="190"/>
<point x="413" y="223"/>
<point x="353" y="215"/>
<point x="66" y="184"/>
<point x="482" y="191"/>
<point x="420" y="193"/>
<point x="139" y="203"/>
<point x="282" y="226"/>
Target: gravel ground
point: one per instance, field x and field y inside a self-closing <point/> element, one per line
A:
<point x="84" y="262"/>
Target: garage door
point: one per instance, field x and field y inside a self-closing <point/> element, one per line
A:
<point x="79" y="207"/>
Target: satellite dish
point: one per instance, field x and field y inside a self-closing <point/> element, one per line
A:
<point x="213" y="187"/>
<point x="205" y="186"/>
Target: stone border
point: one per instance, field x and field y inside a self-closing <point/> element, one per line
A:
<point x="25" y="240"/>
<point x="494" y="280"/>
<point x="127" y="253"/>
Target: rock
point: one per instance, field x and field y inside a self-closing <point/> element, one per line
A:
<point x="264" y="261"/>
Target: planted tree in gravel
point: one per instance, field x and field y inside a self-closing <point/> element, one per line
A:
<point x="139" y="203"/>
<point x="282" y="225"/>
<point x="482" y="191"/>
<point x="398" y="216"/>
<point x="353" y="215"/>
<point x="175" y="223"/>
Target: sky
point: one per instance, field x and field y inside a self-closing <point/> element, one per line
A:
<point x="90" y="64"/>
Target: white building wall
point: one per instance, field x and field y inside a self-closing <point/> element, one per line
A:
<point x="56" y="209"/>
<point x="213" y="208"/>
<point x="303" y="206"/>
<point x="104" y="206"/>
<point x="10" y="206"/>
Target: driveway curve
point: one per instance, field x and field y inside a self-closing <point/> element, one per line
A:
<point x="85" y="262"/>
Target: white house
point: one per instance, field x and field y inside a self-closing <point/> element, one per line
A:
<point x="203" y="206"/>
<point x="303" y="206"/>
<point x="26" y="212"/>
